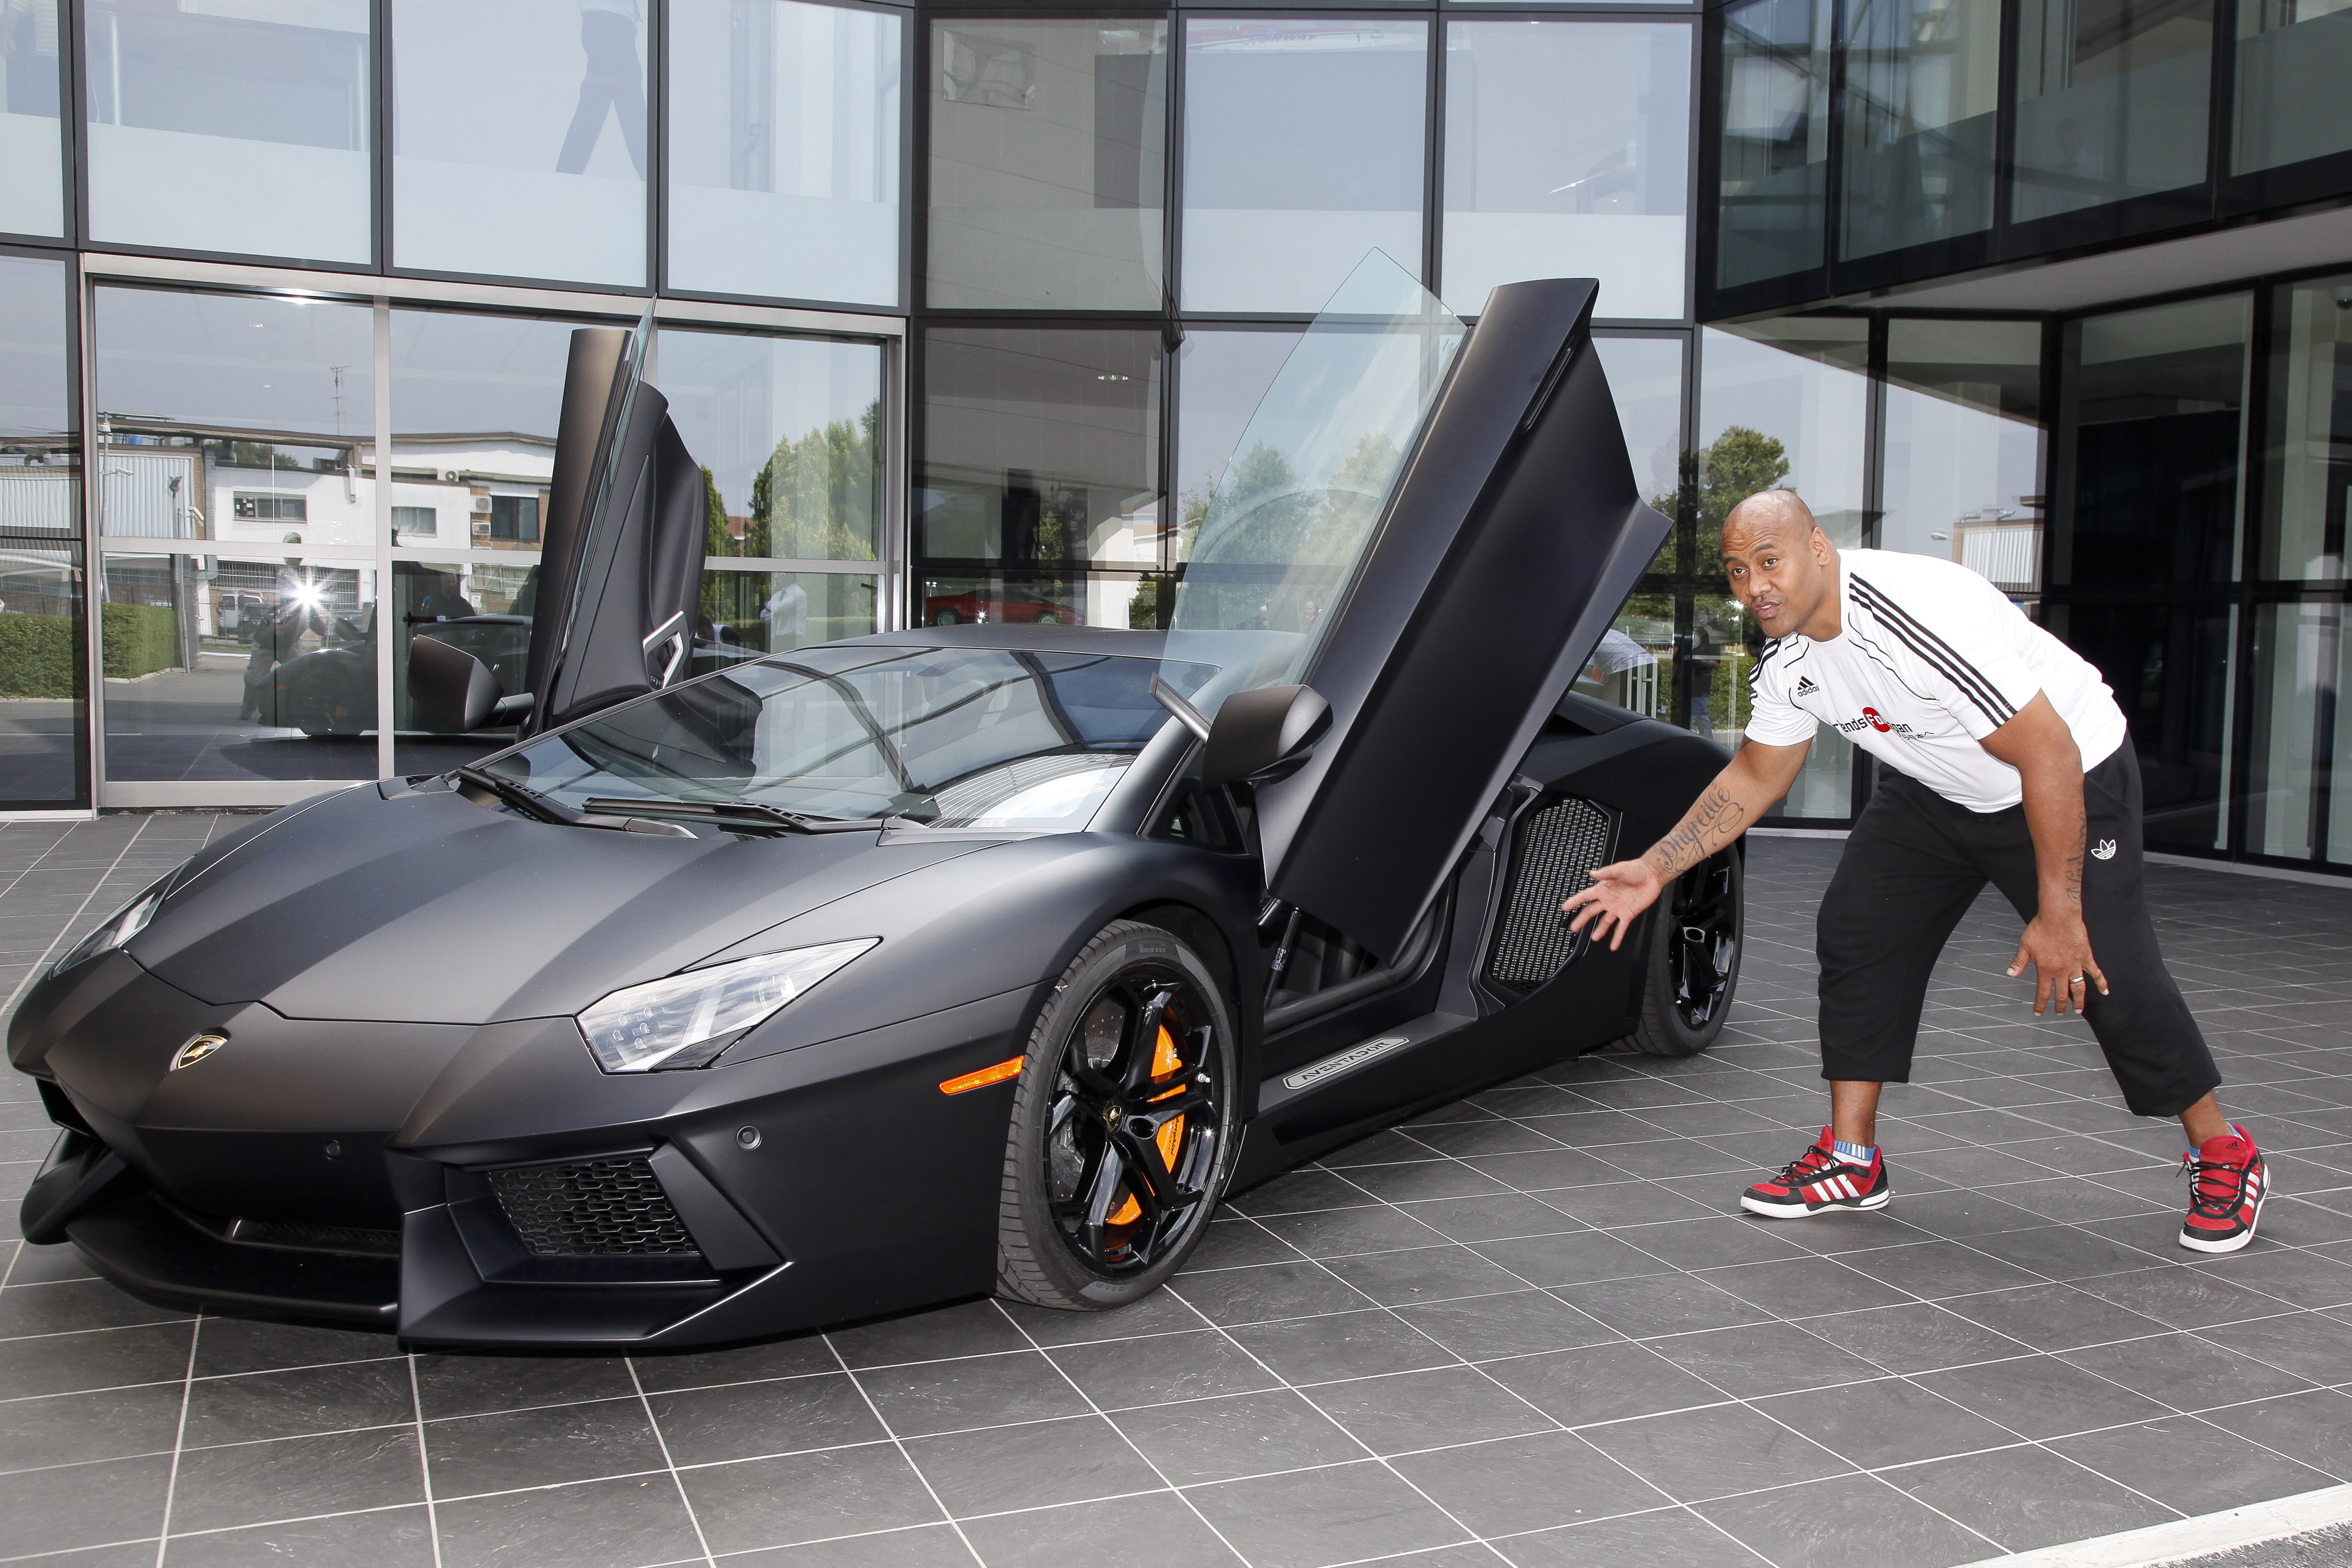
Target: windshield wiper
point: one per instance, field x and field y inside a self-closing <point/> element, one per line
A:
<point x="738" y="814"/>
<point x="520" y="795"/>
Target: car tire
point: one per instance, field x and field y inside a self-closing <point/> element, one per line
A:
<point x="946" y="618"/>
<point x="1048" y="618"/>
<point x="1693" y="964"/>
<point x="1133" y="1000"/>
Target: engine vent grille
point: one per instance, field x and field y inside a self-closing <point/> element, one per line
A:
<point x="1556" y="847"/>
<point x="348" y="1238"/>
<point x="608" y="1207"/>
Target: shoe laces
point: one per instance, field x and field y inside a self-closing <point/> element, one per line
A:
<point x="2216" y="1188"/>
<point x="1806" y="1166"/>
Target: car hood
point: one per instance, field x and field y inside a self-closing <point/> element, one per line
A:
<point x="422" y="907"/>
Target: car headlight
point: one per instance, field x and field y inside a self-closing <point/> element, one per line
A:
<point x="686" y="1020"/>
<point x="127" y="922"/>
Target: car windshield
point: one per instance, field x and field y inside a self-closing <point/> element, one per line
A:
<point x="984" y="738"/>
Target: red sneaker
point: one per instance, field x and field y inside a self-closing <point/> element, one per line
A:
<point x="2227" y="1184"/>
<point x="1818" y="1180"/>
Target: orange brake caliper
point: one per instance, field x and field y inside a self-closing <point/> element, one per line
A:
<point x="1171" y="1138"/>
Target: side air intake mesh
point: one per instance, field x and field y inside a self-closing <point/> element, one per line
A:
<point x="608" y="1207"/>
<point x="1556" y="847"/>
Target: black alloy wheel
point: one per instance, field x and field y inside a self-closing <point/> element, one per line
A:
<point x="1694" y="966"/>
<point x="1120" y="1129"/>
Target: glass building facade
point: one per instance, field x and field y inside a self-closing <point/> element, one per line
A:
<point x="965" y="309"/>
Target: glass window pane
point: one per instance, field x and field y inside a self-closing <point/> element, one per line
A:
<point x="2111" y="101"/>
<point x="482" y="608"/>
<point x="1568" y="154"/>
<point x="1962" y="472"/>
<point x="1302" y="153"/>
<point x="2170" y="667"/>
<point x="1221" y="377"/>
<point x="1922" y="79"/>
<point x="32" y="175"/>
<point x="2293" y="807"/>
<point x="222" y="667"/>
<point x="238" y="417"/>
<point x="1633" y="667"/>
<point x="2293" y="57"/>
<point x="2150" y="423"/>
<point x="750" y="613"/>
<point x="1123" y="600"/>
<point x="40" y="461"/>
<point x="238" y="128"/>
<point x="42" y="674"/>
<point x="1048" y="164"/>
<point x="1645" y="377"/>
<point x="784" y="180"/>
<point x="1040" y="451"/>
<point x="790" y="432"/>
<point x="1776" y="139"/>
<point x="2308" y="448"/>
<point x="519" y="138"/>
<point x="474" y="403"/>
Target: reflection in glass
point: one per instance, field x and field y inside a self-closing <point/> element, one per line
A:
<point x="2308" y="447"/>
<point x="42" y="677"/>
<point x="789" y="431"/>
<point x="519" y="141"/>
<point x="1302" y="153"/>
<point x="2169" y="667"/>
<point x="40" y="460"/>
<point x="2301" y="743"/>
<point x="935" y="738"/>
<point x="241" y="418"/>
<point x="1776" y="139"/>
<point x="1568" y="154"/>
<point x="2147" y="478"/>
<point x="1125" y="601"/>
<point x="32" y="191"/>
<point x="238" y="128"/>
<point x="1783" y="402"/>
<point x="1040" y="450"/>
<point x="1633" y="667"/>
<point x="783" y="150"/>
<point x="482" y="608"/>
<point x="1220" y="378"/>
<point x="2293" y="57"/>
<point x="1049" y="159"/>
<point x="1922" y="82"/>
<point x="1720" y="657"/>
<point x="1645" y="378"/>
<point x="1962" y="471"/>
<point x="749" y="613"/>
<point x="1291" y="518"/>
<point x="474" y="403"/>
<point x="219" y="667"/>
<point x="2111" y="101"/>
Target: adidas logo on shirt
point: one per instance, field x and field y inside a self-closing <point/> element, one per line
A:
<point x="1805" y="687"/>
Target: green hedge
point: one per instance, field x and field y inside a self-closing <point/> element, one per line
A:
<point x="37" y="656"/>
<point x="140" y="639"/>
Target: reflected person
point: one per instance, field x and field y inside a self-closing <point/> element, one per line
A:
<point x="615" y="80"/>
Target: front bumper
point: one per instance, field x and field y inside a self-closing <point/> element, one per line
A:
<point x="808" y="1187"/>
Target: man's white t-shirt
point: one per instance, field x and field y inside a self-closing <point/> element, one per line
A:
<point x="1929" y="659"/>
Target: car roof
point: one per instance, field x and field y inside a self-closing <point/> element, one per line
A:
<point x="1025" y="639"/>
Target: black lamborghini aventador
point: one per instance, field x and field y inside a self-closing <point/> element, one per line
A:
<point x="966" y="959"/>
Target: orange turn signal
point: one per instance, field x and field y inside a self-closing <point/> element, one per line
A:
<point x="984" y="1076"/>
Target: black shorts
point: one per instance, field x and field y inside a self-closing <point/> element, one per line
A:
<point x="1913" y="864"/>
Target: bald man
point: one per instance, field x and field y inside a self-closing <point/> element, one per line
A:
<point x="2006" y="762"/>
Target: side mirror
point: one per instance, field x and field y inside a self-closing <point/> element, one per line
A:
<point x="453" y="692"/>
<point x="1258" y="731"/>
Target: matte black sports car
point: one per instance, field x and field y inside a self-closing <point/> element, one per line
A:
<point x="968" y="959"/>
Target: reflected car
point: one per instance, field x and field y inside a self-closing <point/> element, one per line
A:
<point x="1009" y="606"/>
<point x="924" y="965"/>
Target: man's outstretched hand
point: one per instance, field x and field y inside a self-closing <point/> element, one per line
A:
<point x="2064" y="969"/>
<point x="1618" y="894"/>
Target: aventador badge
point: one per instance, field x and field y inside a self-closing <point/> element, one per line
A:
<point x="197" y="1050"/>
<point x="2104" y="850"/>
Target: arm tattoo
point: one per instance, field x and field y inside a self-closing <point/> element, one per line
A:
<point x="1706" y="827"/>
<point x="2074" y="859"/>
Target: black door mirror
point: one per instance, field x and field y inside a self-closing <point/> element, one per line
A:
<point x="454" y="693"/>
<point x="1260" y="733"/>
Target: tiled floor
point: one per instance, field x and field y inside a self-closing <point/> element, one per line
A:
<point x="1529" y="1328"/>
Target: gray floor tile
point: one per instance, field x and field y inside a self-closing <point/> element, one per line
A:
<point x="1436" y="1273"/>
<point x="2040" y="1397"/>
<point x="1339" y="1233"/>
<point x="1695" y="1454"/>
<point x="980" y="1391"/>
<point x="1518" y="1322"/>
<point x="2314" y="1428"/>
<point x="74" y="1429"/>
<point x="239" y="1344"/>
<point x="2183" y="1297"/>
<point x="2053" y="1317"/>
<point x="1666" y="1535"/>
<point x="1602" y="1382"/>
<point x="2191" y="1466"/>
<point x="1491" y="1218"/>
<point x="1536" y="1482"/>
<point x="1890" y="1421"/>
<point x="1235" y="1241"/>
<point x="974" y="1328"/>
<point x="1157" y="1532"/>
<point x="386" y="1538"/>
<point x="1661" y="1304"/>
<point x="1342" y="1345"/>
<point x="1264" y="1294"/>
<point x="1804" y="1288"/>
<point x="1913" y="1338"/>
<point x="480" y="1384"/>
<point x="620" y="1523"/>
<point x="1578" y="1257"/>
<point x="806" y="1497"/>
<point x="251" y="1405"/>
<point x="1833" y="1523"/>
<point x="546" y="1447"/>
<point x="1252" y="1434"/>
<point x="2185" y="1371"/>
<point x="917" y="1546"/>
<point x="1161" y="1312"/>
<point x="2028" y="1497"/>
<point x="294" y="1477"/>
<point x="1763" y="1359"/>
<point x="1200" y="1364"/>
<point x="2309" y="1344"/>
<point x="71" y="1506"/>
<point x="1418" y="1410"/>
<point x="1033" y="1466"/>
<point x="743" y="1420"/>
<point x="1311" y="1518"/>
